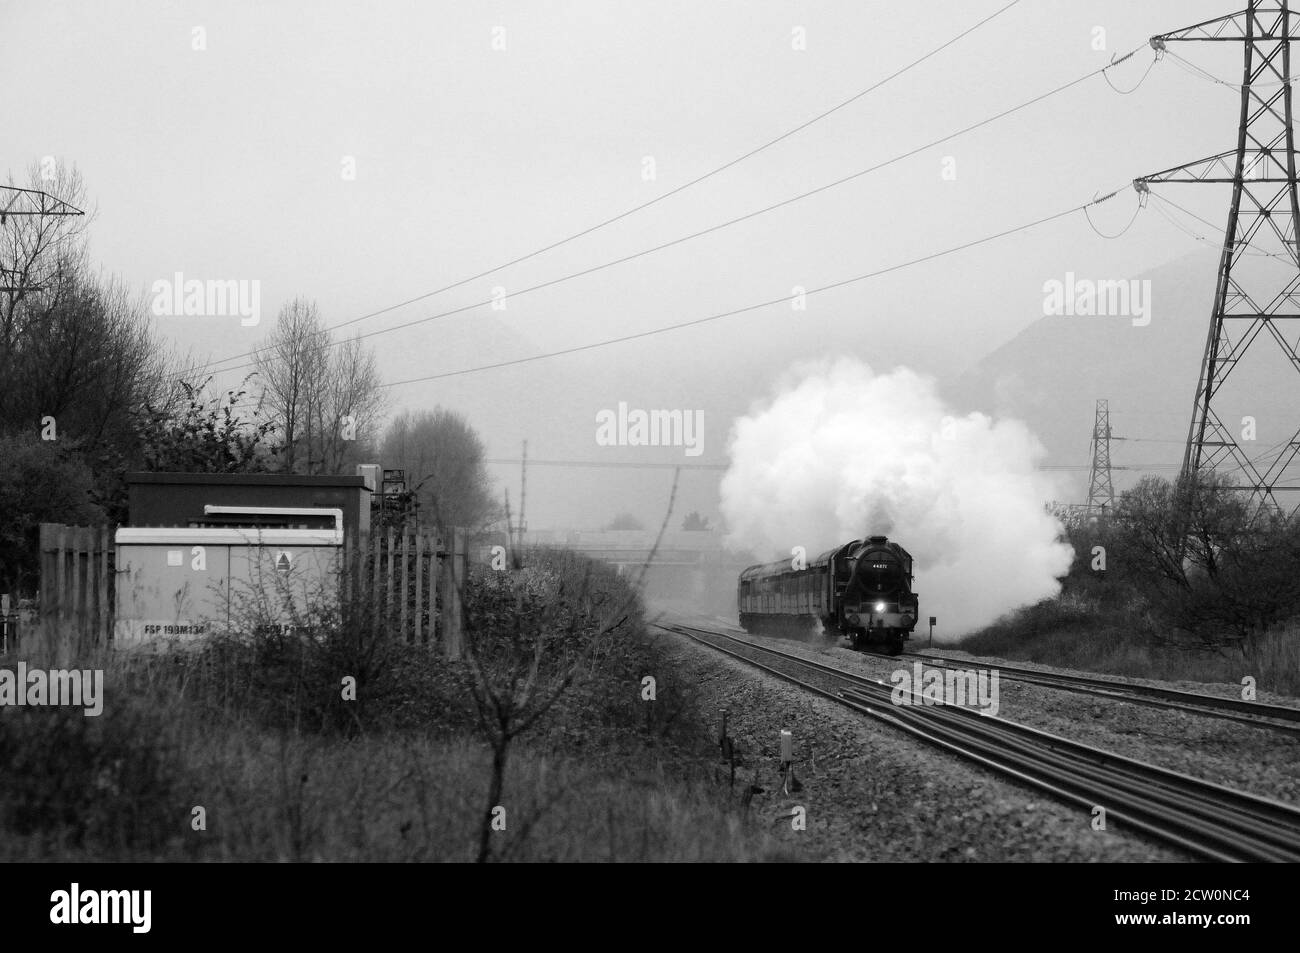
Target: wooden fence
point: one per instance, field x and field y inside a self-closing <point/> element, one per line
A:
<point x="414" y="584"/>
<point x="77" y="593"/>
<point x="8" y="624"/>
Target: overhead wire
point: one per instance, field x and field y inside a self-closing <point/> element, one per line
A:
<point x="1201" y="73"/>
<point x="1249" y="250"/>
<point x="1142" y="79"/>
<point x="721" y="225"/>
<point x="754" y="307"/>
<point x="671" y="192"/>
<point x="1136" y="211"/>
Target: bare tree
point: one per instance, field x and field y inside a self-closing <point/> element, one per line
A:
<point x="566" y="610"/>
<point x="36" y="249"/>
<point x="1212" y="566"/>
<point x="444" y="462"/>
<point x="349" y="408"/>
<point x="292" y="368"/>
<point x="325" y="398"/>
<point x="86" y="357"/>
<point x="79" y="359"/>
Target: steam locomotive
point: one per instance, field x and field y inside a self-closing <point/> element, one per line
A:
<point x="862" y="590"/>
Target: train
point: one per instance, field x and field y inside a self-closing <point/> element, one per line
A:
<point x="861" y="590"/>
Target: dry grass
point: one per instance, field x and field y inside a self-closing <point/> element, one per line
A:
<point x="1068" y="633"/>
<point x="238" y="730"/>
<point x="399" y="796"/>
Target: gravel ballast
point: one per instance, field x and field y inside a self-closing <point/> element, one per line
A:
<point x="873" y="793"/>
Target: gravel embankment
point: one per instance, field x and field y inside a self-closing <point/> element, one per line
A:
<point x="1259" y="760"/>
<point x="1240" y="756"/>
<point x="872" y="793"/>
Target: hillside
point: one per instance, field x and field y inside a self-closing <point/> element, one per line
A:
<point x="1051" y="374"/>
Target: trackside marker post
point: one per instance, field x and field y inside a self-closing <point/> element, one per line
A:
<point x="790" y="783"/>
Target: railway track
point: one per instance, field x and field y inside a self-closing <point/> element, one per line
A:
<point x="1258" y="714"/>
<point x="1200" y="817"/>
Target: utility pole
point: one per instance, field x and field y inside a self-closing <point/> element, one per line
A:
<point x="1101" y="491"/>
<point x="523" y="494"/>
<point x="1249" y="308"/>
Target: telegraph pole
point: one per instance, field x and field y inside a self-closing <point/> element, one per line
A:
<point x="1263" y="215"/>
<point x="523" y="494"/>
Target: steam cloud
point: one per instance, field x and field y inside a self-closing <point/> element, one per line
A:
<point x="841" y="453"/>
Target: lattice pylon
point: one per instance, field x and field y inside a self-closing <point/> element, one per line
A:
<point x="1262" y="218"/>
<point x="1101" y="489"/>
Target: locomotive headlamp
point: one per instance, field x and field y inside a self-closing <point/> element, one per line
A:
<point x="880" y="607"/>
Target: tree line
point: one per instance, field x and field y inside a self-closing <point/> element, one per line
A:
<point x="1193" y="562"/>
<point x="91" y="389"/>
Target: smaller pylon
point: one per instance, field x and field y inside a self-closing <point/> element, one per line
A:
<point x="1101" y="491"/>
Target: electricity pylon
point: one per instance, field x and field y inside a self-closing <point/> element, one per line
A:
<point x="1101" y="491"/>
<point x="1263" y="216"/>
<point x="25" y="203"/>
<point x="29" y="203"/>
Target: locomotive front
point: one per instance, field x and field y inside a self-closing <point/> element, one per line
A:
<point x="878" y="602"/>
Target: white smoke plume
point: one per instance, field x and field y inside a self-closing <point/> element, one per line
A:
<point x="842" y="453"/>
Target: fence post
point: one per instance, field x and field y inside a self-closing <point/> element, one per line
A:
<point x="417" y="581"/>
<point x="345" y="572"/>
<point x="376" y="542"/>
<point x="388" y="583"/>
<point x="451" y="601"/>
<point x="91" y="536"/>
<point x="406" y="561"/>
<point x="45" y="603"/>
<point x="435" y="568"/>
<point x="60" y="589"/>
<point x="75" y="601"/>
<point x="107" y="561"/>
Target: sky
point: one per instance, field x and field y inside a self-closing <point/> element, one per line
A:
<point x="365" y="154"/>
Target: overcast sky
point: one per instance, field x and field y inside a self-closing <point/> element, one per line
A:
<point x="229" y="162"/>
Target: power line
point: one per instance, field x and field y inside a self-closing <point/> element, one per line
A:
<point x="717" y="227"/>
<point x="1086" y="467"/>
<point x="633" y="465"/>
<point x="754" y="307"/>
<point x="1200" y="73"/>
<point x="670" y="193"/>
<point x="606" y="464"/>
<point x="1141" y="80"/>
<point x="1209" y="241"/>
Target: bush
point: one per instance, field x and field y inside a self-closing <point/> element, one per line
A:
<point x="105" y="783"/>
<point x="1212" y="567"/>
<point x="251" y="726"/>
<point x="1189" y="566"/>
<point x="40" y="482"/>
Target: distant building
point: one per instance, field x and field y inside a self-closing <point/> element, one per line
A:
<point x="179" y="499"/>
